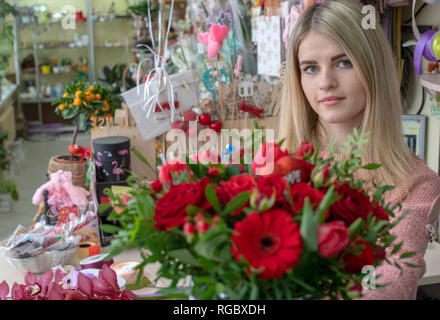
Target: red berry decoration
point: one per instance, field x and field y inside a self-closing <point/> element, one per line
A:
<point x="205" y="119"/>
<point x="176" y="105"/>
<point x="179" y="124"/>
<point x="216" y="125"/>
<point x="190" y="115"/>
<point x="165" y="105"/>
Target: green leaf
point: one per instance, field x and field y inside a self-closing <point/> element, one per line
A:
<point x="185" y="256"/>
<point x="144" y="160"/>
<point x="211" y="196"/>
<point x="213" y="241"/>
<point x="236" y="203"/>
<point x="281" y="142"/>
<point x="232" y="171"/>
<point x="104" y="207"/>
<point x="110" y="228"/>
<point x="407" y="254"/>
<point x="412" y="265"/>
<point x="309" y="227"/>
<point x="396" y="248"/>
<point x="372" y="166"/>
<point x="325" y="204"/>
<point x="354" y="228"/>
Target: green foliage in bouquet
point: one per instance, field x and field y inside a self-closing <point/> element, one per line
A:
<point x="292" y="234"/>
<point x="85" y="103"/>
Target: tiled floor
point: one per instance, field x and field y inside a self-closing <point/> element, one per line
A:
<point x="30" y="176"/>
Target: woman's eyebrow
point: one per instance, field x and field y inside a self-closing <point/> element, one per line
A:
<point x="332" y="59"/>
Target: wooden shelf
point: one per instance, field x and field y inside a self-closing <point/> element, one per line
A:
<point x="431" y="81"/>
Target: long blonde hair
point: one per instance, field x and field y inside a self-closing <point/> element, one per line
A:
<point x="372" y="58"/>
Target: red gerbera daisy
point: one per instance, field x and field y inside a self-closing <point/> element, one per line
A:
<point x="269" y="240"/>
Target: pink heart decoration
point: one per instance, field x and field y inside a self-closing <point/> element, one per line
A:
<point x="218" y="32"/>
<point x="203" y="38"/>
<point x="213" y="48"/>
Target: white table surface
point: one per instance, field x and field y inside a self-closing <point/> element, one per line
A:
<point x="11" y="274"/>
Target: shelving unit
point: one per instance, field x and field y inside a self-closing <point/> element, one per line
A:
<point x="96" y="51"/>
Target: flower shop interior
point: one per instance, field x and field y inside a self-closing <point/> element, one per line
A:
<point x="89" y="90"/>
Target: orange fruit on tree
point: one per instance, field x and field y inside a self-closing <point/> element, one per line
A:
<point x="65" y="95"/>
<point x="77" y="102"/>
<point x="98" y="96"/>
<point x="90" y="89"/>
<point x="62" y="107"/>
<point x="77" y="93"/>
<point x="84" y="68"/>
<point x="88" y="97"/>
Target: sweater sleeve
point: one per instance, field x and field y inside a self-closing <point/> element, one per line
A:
<point x="423" y="196"/>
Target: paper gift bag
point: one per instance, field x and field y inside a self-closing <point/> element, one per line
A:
<point x="184" y="89"/>
<point x="269" y="45"/>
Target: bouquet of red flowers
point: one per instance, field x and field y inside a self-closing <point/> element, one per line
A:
<point x="305" y="229"/>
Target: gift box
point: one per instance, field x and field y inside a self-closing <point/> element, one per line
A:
<point x="112" y="158"/>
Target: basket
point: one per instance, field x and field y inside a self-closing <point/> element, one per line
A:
<point x="78" y="169"/>
<point x="43" y="262"/>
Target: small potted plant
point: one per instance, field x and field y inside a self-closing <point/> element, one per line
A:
<point x="66" y="64"/>
<point x="83" y="103"/>
<point x="8" y="189"/>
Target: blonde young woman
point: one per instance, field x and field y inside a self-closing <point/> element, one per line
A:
<point x="340" y="76"/>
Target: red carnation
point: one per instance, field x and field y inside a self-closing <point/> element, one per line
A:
<point x="300" y="191"/>
<point x="268" y="185"/>
<point x="171" y="207"/>
<point x="265" y="158"/>
<point x="176" y="166"/>
<point x="228" y="190"/>
<point x="353" y="205"/>
<point x="269" y="240"/>
<point x="355" y="263"/>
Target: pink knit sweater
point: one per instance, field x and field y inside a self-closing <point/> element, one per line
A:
<point x="422" y="195"/>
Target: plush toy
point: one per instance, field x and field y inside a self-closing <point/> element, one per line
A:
<point x="62" y="192"/>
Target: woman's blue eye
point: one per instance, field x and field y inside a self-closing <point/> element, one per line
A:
<point x="310" y="69"/>
<point x="345" y="63"/>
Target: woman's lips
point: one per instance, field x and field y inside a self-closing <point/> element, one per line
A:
<point x="332" y="102"/>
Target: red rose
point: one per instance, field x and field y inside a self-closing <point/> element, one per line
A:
<point x="156" y="186"/>
<point x="265" y="158"/>
<point x="353" y="205"/>
<point x="299" y="192"/>
<point x="296" y="169"/>
<point x="355" y="263"/>
<point x="332" y="238"/>
<point x="171" y="207"/>
<point x="228" y="190"/>
<point x="176" y="166"/>
<point x="379" y="211"/>
<point x="268" y="185"/>
<point x="305" y="150"/>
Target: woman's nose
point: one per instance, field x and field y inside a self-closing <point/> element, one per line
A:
<point x="327" y="80"/>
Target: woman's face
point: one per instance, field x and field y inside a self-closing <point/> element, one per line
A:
<point x="330" y="82"/>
